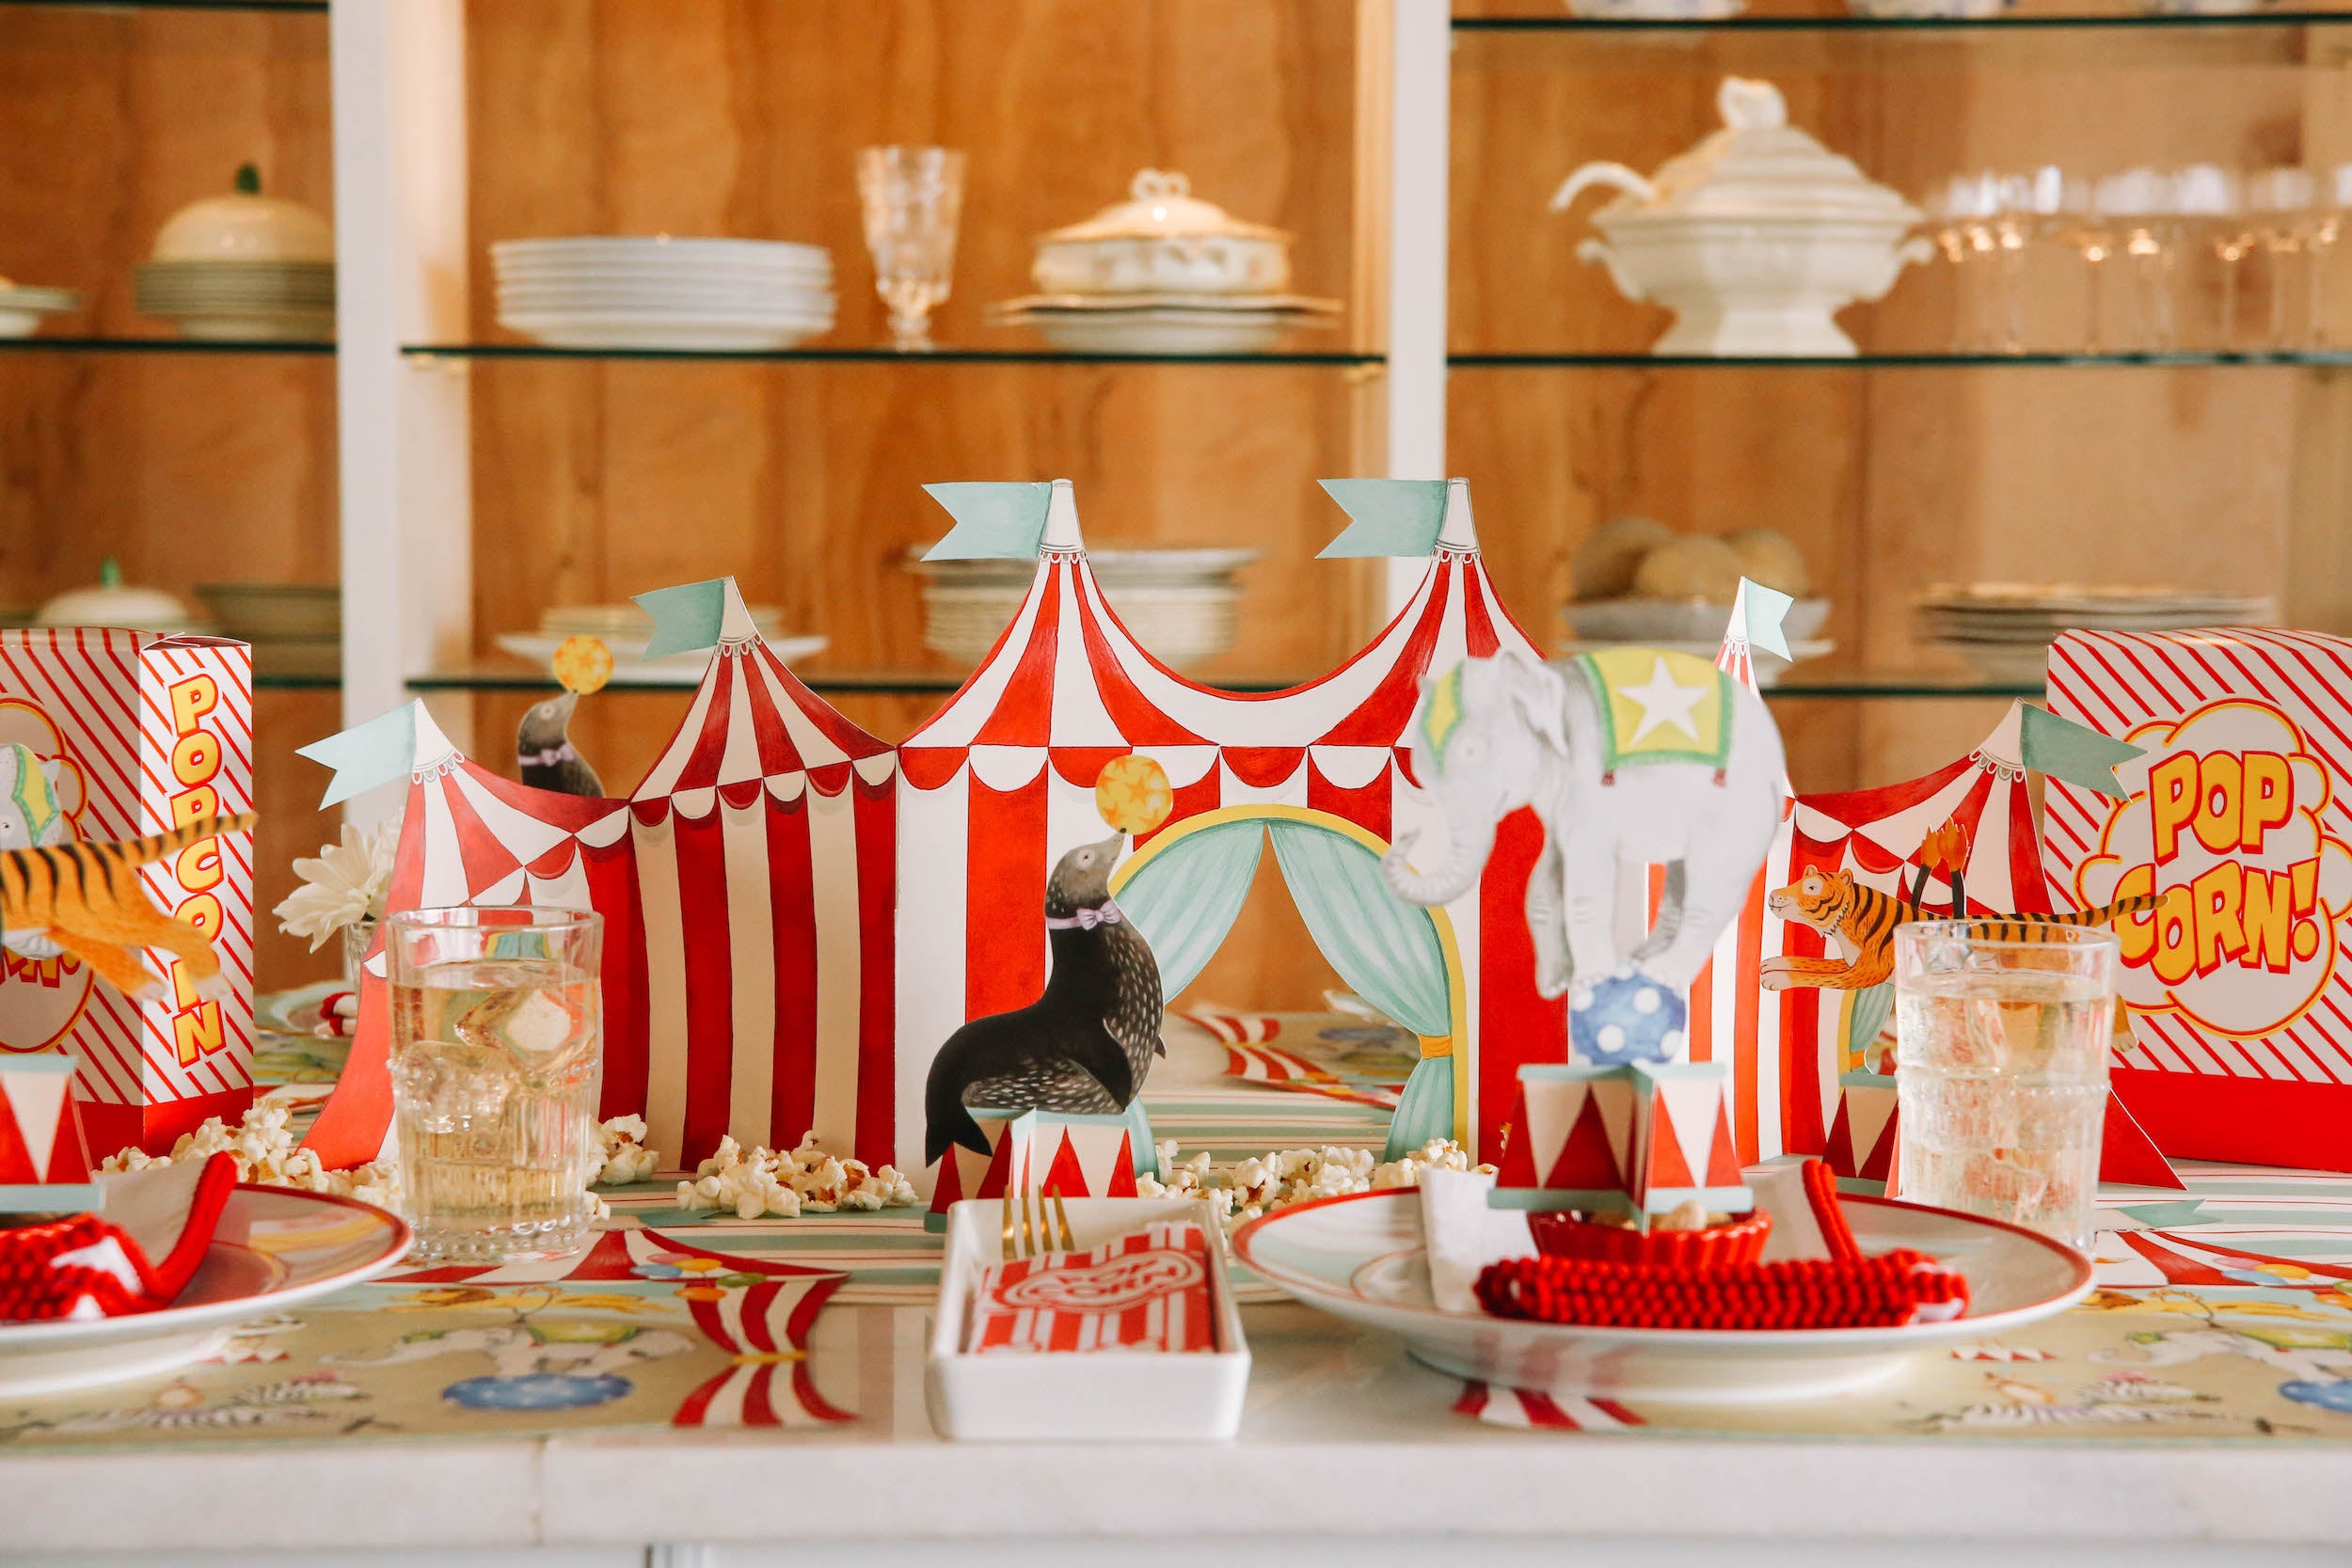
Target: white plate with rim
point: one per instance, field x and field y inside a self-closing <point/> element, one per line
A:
<point x="1360" y="1257"/>
<point x="275" y="1248"/>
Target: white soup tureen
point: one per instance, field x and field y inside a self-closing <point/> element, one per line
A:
<point x="1163" y="240"/>
<point x="1755" y="238"/>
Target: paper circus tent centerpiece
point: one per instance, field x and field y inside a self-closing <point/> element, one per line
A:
<point x="800" y="915"/>
<point x="746" y="891"/>
<point x="1005" y="778"/>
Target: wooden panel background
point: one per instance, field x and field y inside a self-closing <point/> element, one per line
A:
<point x="743" y="117"/>
<point x="186" y="469"/>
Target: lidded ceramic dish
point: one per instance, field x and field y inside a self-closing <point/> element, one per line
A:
<point x="1163" y="240"/>
<point x="246" y="226"/>
<point x="1754" y="238"/>
<point x="114" y="603"/>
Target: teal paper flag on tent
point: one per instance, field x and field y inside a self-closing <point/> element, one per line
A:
<point x="1385" y="517"/>
<point x="2061" y="749"/>
<point x="376" y="752"/>
<point x="994" y="521"/>
<point x="1757" y="614"/>
<point x="686" y="619"/>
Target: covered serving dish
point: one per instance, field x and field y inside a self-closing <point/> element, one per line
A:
<point x="1755" y="238"/>
<point x="1163" y="240"/>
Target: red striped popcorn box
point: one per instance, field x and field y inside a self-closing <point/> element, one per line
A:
<point x="2238" y="815"/>
<point x="112" y="735"/>
<point x="1146" y="1291"/>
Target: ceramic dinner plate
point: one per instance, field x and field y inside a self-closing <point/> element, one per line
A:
<point x="275" y="1248"/>
<point x="1360" y="1257"/>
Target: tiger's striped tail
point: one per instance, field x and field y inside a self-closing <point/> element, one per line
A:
<point x="2021" y="927"/>
<point x="155" y="847"/>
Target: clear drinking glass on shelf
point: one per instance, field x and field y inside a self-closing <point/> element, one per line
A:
<point x="2211" y="201"/>
<point x="496" y="1061"/>
<point x="912" y="199"/>
<point x="2281" y="205"/>
<point x="2001" y="1056"/>
<point x="2138" y="208"/>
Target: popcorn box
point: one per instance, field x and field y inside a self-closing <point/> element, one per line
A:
<point x="111" y="735"/>
<point x="1644" y="1139"/>
<point x="2237" y="987"/>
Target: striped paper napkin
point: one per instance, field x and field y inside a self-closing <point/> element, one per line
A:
<point x="1144" y="1291"/>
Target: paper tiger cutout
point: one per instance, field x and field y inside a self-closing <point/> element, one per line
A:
<point x="1860" y="920"/>
<point x="87" y="898"/>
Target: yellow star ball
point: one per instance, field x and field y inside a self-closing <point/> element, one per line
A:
<point x="582" y="664"/>
<point x="1134" y="795"/>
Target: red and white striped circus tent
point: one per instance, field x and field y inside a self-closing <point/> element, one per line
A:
<point x="764" y="854"/>
<point x="1000" y="783"/>
<point x="746" y="889"/>
<point x="1879" y="834"/>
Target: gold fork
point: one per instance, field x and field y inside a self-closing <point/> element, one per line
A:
<point x="1024" y="1236"/>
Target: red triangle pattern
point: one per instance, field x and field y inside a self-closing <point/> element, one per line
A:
<point x="68" y="1153"/>
<point x="1838" y="1152"/>
<point x="1723" y="1156"/>
<point x="1587" y="1163"/>
<point x="2128" y="1154"/>
<point x="1518" y="1160"/>
<point x="1667" y="1167"/>
<point x="16" y="1160"/>
<point x="1880" y="1167"/>
<point x="1066" y="1175"/>
<point x="1121" y="1181"/>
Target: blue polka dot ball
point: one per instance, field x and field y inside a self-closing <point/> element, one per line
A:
<point x="1626" y="1017"/>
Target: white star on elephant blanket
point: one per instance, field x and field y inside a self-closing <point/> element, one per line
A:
<point x="1664" y="702"/>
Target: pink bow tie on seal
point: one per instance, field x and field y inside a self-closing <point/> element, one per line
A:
<point x="1087" y="920"/>
<point x="552" y="755"/>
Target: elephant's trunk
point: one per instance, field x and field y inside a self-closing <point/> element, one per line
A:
<point x="1450" y="880"/>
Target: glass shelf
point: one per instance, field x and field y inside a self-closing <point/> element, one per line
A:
<point x="1871" y="686"/>
<point x="313" y="7"/>
<point x="264" y="681"/>
<point x="2322" y="359"/>
<point x="158" y="345"/>
<point x="1850" y="686"/>
<point x="1892" y="24"/>
<point x="863" y="683"/>
<point x="879" y="356"/>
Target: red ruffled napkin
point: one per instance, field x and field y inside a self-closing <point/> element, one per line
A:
<point x="1147" y="1292"/>
<point x="156" y="1227"/>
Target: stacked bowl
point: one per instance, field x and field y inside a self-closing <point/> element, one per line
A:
<point x="243" y="266"/>
<point x="1163" y="272"/>
<point x="663" y="292"/>
<point x="1182" y="605"/>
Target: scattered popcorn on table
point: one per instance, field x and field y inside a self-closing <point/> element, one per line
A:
<point x="1252" y="1187"/>
<point x="626" y="1157"/>
<point x="806" y="1179"/>
<point x="263" y="1148"/>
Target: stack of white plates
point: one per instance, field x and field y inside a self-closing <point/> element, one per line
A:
<point x="268" y="301"/>
<point x="626" y="629"/>
<point x="2006" y="628"/>
<point x="1165" y="323"/>
<point x="22" y="306"/>
<point x="1184" y="605"/>
<point x="601" y="292"/>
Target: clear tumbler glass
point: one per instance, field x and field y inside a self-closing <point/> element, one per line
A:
<point x="2001" y="1069"/>
<point x="497" y="1062"/>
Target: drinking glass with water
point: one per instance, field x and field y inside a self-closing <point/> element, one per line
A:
<point x="2001" y="1069"/>
<point x="497" y="1063"/>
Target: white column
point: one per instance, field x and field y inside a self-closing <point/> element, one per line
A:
<point x="399" y="80"/>
<point x="1421" y="64"/>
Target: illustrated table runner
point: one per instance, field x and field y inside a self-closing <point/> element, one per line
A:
<point x="2223" y="1313"/>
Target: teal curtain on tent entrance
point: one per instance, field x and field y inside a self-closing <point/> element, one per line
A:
<point x="1388" y="952"/>
<point x="1185" y="900"/>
